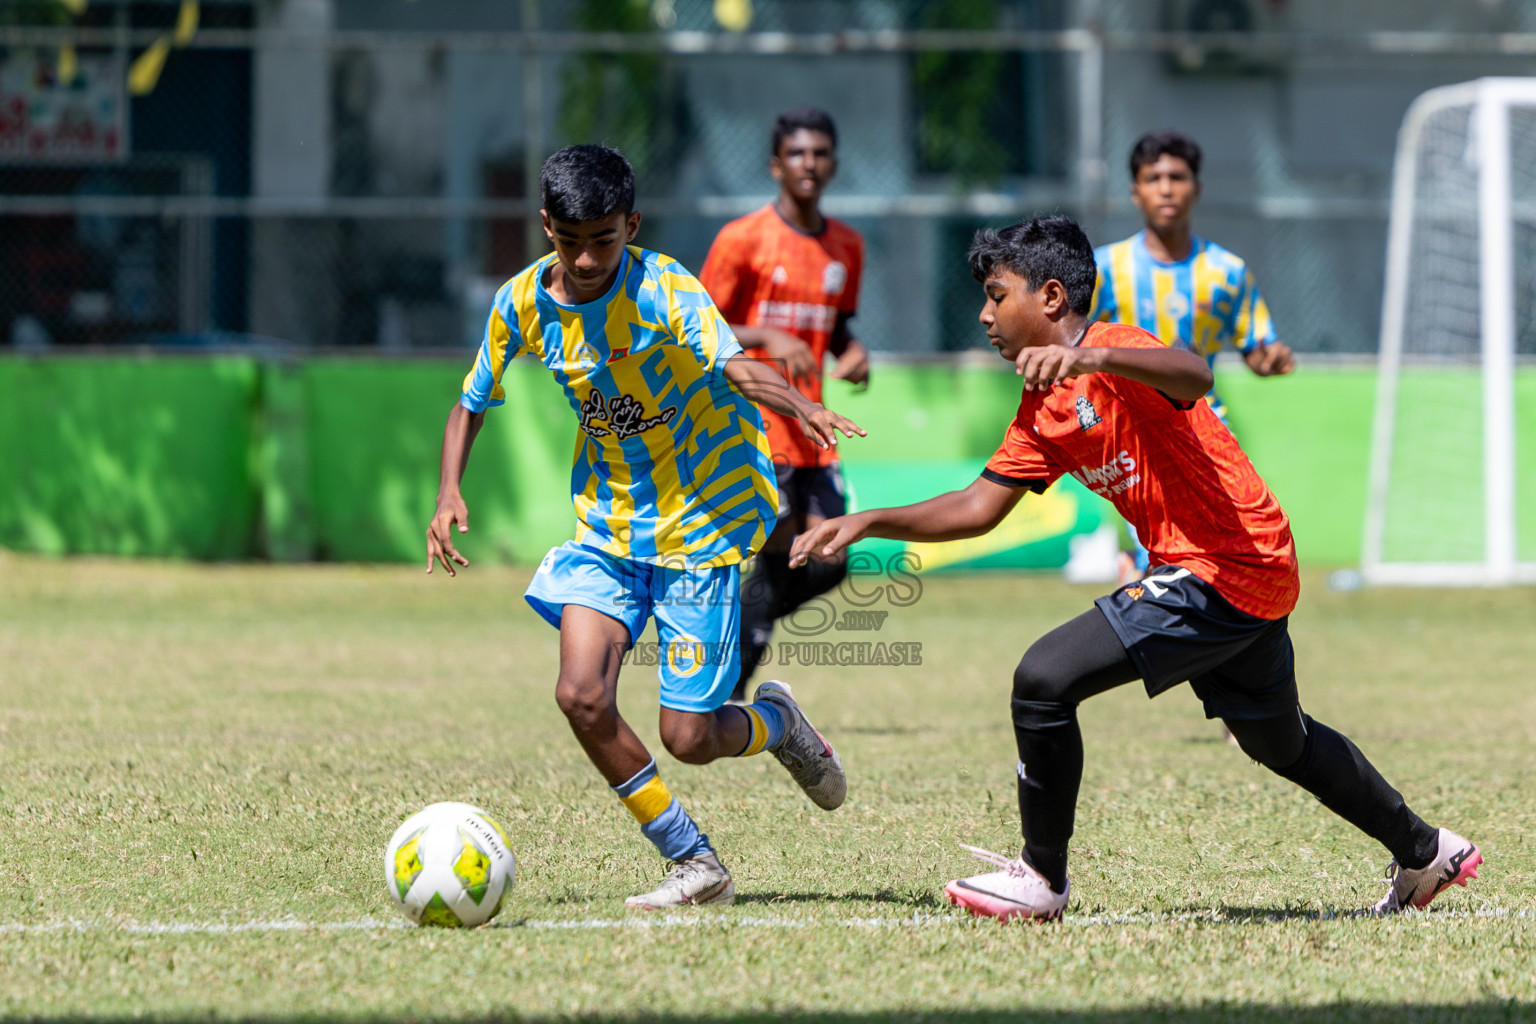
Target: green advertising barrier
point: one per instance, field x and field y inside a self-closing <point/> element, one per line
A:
<point x="371" y="433"/>
<point x="1309" y="436"/>
<point x="129" y="456"/>
<point x="231" y="456"/>
<point x="1036" y="535"/>
<point x="374" y="437"/>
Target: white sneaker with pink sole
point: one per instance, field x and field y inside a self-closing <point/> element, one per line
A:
<point x="1017" y="890"/>
<point x="1455" y="864"/>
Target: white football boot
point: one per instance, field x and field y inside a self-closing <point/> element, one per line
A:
<point x="695" y="882"/>
<point x="810" y="759"/>
<point x="1455" y="863"/>
<point x="1015" y="891"/>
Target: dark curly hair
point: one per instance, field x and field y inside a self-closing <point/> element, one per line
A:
<point x="791" y="121"/>
<point x="1040" y="250"/>
<point x="581" y="183"/>
<point x="1154" y="144"/>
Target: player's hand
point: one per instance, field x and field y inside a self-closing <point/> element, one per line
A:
<point x="451" y="510"/>
<point x="826" y="539"/>
<point x="1049" y="365"/>
<point x="853" y="365"/>
<point x="1272" y="360"/>
<point x="822" y="424"/>
<point x="791" y="353"/>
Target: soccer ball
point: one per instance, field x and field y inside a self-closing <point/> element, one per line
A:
<point x="449" y="866"/>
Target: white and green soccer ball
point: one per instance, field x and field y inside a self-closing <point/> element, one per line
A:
<point x="449" y="866"/>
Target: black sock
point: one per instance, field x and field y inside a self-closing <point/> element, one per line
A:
<point x="1050" y="770"/>
<point x="763" y="598"/>
<point x="1334" y="770"/>
<point x="812" y="579"/>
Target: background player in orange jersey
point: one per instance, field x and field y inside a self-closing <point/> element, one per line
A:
<point x="1122" y="413"/>
<point x="786" y="278"/>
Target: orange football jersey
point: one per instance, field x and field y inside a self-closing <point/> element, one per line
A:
<point x="1172" y="469"/>
<point x="763" y="273"/>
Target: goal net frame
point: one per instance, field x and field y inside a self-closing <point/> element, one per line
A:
<point x="1490" y="100"/>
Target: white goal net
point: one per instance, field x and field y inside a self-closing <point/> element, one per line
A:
<point x="1452" y="490"/>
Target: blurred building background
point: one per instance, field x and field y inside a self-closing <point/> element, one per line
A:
<point x="355" y="173"/>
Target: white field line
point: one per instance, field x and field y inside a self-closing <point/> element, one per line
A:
<point x="704" y="919"/>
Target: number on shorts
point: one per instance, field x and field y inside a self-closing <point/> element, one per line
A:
<point x="1159" y="584"/>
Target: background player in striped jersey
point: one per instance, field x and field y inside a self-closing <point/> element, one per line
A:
<point x="1122" y="413"/>
<point x="787" y="280"/>
<point x="673" y="489"/>
<point x="1186" y="291"/>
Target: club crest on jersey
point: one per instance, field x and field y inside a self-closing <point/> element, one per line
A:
<point x="834" y="277"/>
<point x="625" y="417"/>
<point x="1087" y="415"/>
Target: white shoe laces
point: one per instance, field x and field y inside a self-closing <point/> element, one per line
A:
<point x="679" y="871"/>
<point x="1015" y="866"/>
<point x="1392" y="900"/>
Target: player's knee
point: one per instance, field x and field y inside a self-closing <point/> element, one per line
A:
<point x="583" y="700"/>
<point x="689" y="738"/>
<point x="1036" y="680"/>
<point x="1276" y="743"/>
<point x="1042" y="715"/>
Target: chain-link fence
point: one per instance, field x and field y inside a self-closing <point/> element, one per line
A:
<point x="355" y="173"/>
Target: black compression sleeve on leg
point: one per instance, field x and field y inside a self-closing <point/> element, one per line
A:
<point x="763" y="597"/>
<point x="1273" y="742"/>
<point x="813" y="579"/>
<point x="1334" y="770"/>
<point x="1050" y="770"/>
<point x="1067" y="665"/>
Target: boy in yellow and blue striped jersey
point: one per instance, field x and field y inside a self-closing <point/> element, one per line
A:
<point x="673" y="489"/>
<point x="1186" y="291"/>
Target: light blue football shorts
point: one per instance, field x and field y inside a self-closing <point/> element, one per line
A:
<point x="698" y="616"/>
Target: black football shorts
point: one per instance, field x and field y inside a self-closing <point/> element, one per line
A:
<point x="1176" y="627"/>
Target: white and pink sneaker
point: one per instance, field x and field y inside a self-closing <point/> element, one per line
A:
<point x="1015" y="891"/>
<point x="1455" y="864"/>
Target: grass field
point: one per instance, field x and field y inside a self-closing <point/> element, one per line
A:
<point x="200" y="765"/>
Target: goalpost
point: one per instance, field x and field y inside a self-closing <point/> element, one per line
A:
<point x="1455" y="424"/>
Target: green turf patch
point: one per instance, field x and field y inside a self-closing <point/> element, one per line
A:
<point x="200" y="768"/>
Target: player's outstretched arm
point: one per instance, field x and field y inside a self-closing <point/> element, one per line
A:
<point x="758" y="382"/>
<point x="1176" y="372"/>
<point x="458" y="437"/>
<point x="952" y="516"/>
<point x="1272" y="360"/>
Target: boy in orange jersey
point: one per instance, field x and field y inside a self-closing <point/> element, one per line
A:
<point x="1122" y="412"/>
<point x="786" y="278"/>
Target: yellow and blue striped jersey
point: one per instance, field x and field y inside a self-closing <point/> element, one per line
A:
<point x="672" y="465"/>
<point x="1203" y="302"/>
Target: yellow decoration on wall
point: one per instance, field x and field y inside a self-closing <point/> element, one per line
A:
<point x="186" y="22"/>
<point x="145" y="72"/>
<point x="69" y="65"/>
<point x="144" y="75"/>
<point x="733" y="15"/>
